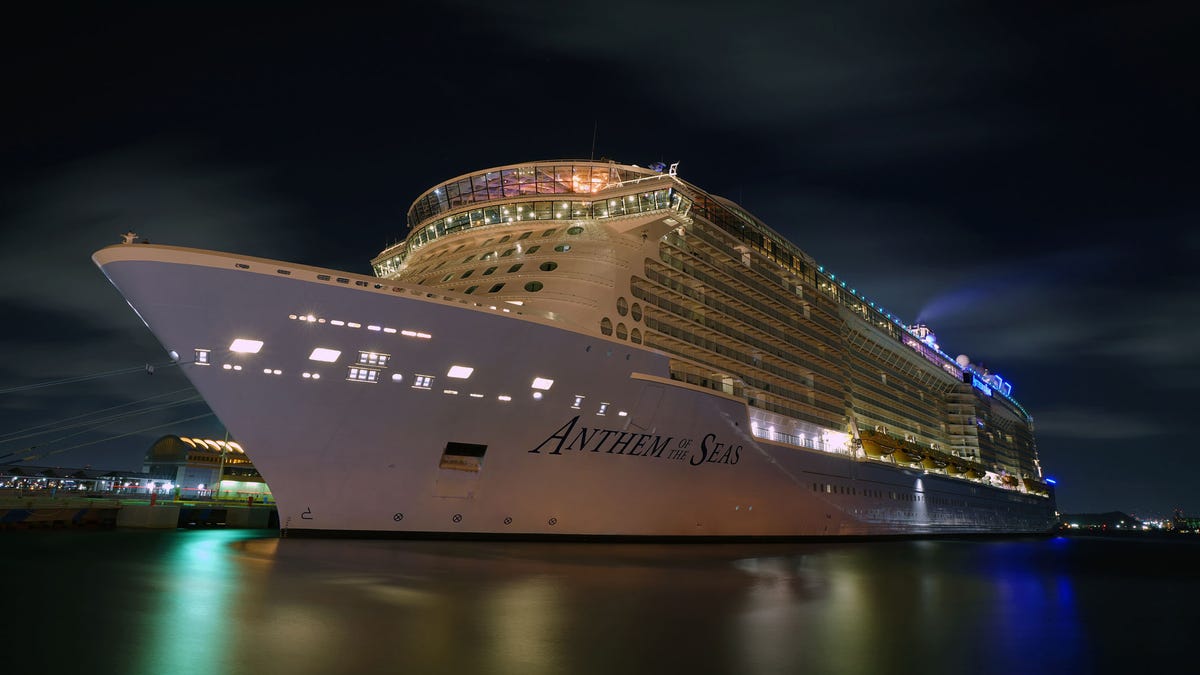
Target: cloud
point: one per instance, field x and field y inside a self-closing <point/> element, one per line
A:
<point x="1095" y="424"/>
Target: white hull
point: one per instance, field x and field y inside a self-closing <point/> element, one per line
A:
<point x="361" y="457"/>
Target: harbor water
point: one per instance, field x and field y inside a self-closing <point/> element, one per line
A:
<point x="245" y="601"/>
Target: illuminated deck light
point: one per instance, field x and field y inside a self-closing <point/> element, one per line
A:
<point x="324" y="354"/>
<point x="337" y="322"/>
<point x="276" y="372"/>
<point x="389" y="330"/>
<point x="316" y="376"/>
<point x="409" y="333"/>
<point x="375" y="328"/>
<point x="424" y="336"/>
<point x="452" y="392"/>
<point x="476" y="395"/>
<point x="537" y="395"/>
<point x="397" y="377"/>
<point x="542" y="383"/>
<point x="227" y="367"/>
<point x="504" y="397"/>
<point x="622" y="413"/>
<point x="460" y="372"/>
<point x="245" y="346"/>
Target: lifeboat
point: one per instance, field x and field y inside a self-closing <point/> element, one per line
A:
<point x="931" y="462"/>
<point x="907" y="455"/>
<point x="877" y="445"/>
<point x="874" y="449"/>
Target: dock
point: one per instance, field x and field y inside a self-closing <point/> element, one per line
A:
<point x="25" y="512"/>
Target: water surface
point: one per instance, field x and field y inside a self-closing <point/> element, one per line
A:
<point x="213" y="601"/>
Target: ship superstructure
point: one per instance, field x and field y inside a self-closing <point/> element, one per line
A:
<point x="558" y="336"/>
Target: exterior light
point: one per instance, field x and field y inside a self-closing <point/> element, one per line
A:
<point x="542" y="383"/>
<point x="244" y="346"/>
<point x="326" y="355"/>
<point x="460" y="372"/>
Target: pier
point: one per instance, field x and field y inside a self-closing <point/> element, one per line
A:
<point x="41" y="512"/>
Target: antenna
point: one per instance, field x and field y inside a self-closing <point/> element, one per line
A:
<point x="595" y="125"/>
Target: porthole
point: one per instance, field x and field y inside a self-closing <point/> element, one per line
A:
<point x="606" y="326"/>
<point x="470" y="290"/>
<point x="496" y="288"/>
<point x="622" y="332"/>
<point x="562" y="248"/>
<point x="622" y="306"/>
<point x="575" y="230"/>
<point x="488" y="271"/>
<point x="531" y="250"/>
<point x="635" y="336"/>
<point x="516" y="267"/>
<point x="636" y="312"/>
<point x="533" y="286"/>
<point x="548" y="266"/>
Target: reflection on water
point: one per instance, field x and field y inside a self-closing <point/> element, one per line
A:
<point x="237" y="602"/>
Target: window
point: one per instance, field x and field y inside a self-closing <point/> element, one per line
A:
<point x="622" y="306"/>
<point x="533" y="286"/>
<point x="504" y="238"/>
<point x="202" y="357"/>
<point x="497" y="287"/>
<point x="574" y="230"/>
<point x="470" y="290"/>
<point x="466" y="274"/>
<point x="548" y="266"/>
<point x="508" y="253"/>
<point x="373" y="358"/>
<point x="363" y="375"/>
<point x="606" y="326"/>
<point x="622" y="332"/>
<point x="549" y="232"/>
<point x="448" y="277"/>
<point x="524" y="235"/>
<point x="469" y="258"/>
<point x="562" y="248"/>
<point x="489" y="271"/>
<point x="514" y="268"/>
<point x="635" y="336"/>
<point x="422" y="381"/>
<point x="636" y="312"/>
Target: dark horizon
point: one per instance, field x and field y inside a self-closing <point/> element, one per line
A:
<point x="1018" y="178"/>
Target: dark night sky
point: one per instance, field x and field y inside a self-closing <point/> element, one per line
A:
<point x="1021" y="178"/>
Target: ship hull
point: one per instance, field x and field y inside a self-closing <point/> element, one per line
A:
<point x="490" y="455"/>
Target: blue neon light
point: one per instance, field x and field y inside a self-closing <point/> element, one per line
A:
<point x="980" y="385"/>
<point x="1051" y="481"/>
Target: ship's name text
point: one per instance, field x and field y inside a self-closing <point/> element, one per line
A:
<point x="571" y="436"/>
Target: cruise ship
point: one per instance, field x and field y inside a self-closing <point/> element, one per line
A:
<point x="587" y="349"/>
